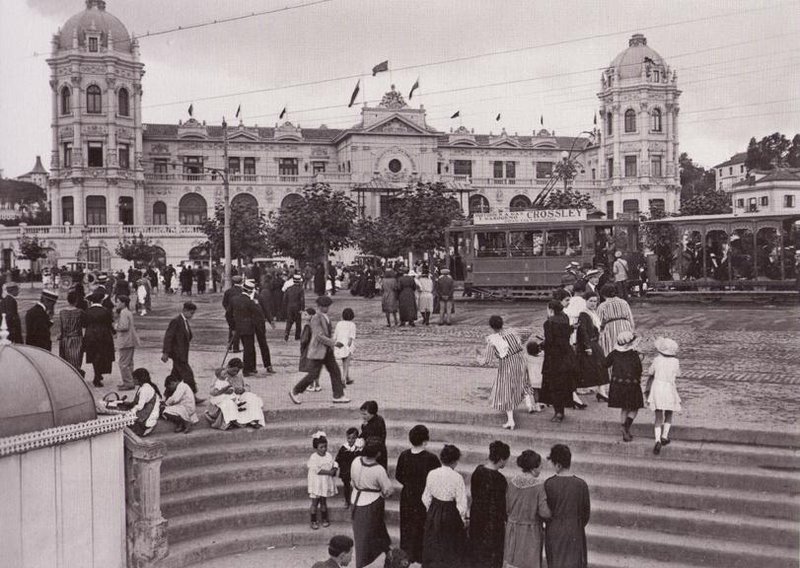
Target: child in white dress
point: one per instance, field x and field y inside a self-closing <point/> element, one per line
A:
<point x="180" y="406"/>
<point x="533" y="367"/>
<point x="662" y="395"/>
<point x="321" y="479"/>
<point x="345" y="333"/>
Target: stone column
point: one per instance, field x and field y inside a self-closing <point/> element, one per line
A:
<point x="146" y="528"/>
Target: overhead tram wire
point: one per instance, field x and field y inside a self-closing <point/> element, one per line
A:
<point x="485" y="54"/>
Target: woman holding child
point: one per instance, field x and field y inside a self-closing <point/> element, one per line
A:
<point x="231" y="403"/>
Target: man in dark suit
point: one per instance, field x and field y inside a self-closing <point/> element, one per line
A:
<point x="106" y="288"/>
<point x="38" y="321"/>
<point x="176" y="346"/>
<point x="261" y="317"/>
<point x="320" y="353"/>
<point x="227" y="298"/>
<point x="340" y="549"/>
<point x="8" y="306"/>
<point x="242" y="307"/>
<point x="294" y="301"/>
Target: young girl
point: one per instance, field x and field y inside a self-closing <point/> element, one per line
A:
<point x="625" y="391"/>
<point x="662" y="396"/>
<point x="305" y="339"/>
<point x="344" y="459"/>
<point x="180" y="406"/>
<point x="345" y="333"/>
<point x="321" y="473"/>
<point x="146" y="403"/>
<point x="533" y="367"/>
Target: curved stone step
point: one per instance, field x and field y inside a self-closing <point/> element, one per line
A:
<point x="288" y="512"/>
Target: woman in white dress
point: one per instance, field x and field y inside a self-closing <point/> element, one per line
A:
<point x="231" y="404"/>
<point x="146" y="403"/>
<point x="508" y="389"/>
<point x="425" y="296"/>
<point x="445" y="498"/>
<point x="180" y="405"/>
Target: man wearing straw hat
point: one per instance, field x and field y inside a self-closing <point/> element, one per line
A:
<point x="38" y="321"/>
<point x="242" y="307"/>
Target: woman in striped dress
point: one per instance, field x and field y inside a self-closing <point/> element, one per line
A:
<point x="509" y="385"/>
<point x="615" y="317"/>
<point x="70" y="335"/>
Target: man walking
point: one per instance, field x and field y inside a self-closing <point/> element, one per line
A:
<point x="294" y="301"/>
<point x="320" y="353"/>
<point x="227" y="305"/>
<point x="176" y="346"/>
<point x="445" y="286"/>
<point x="242" y="308"/>
<point x="127" y="342"/>
<point x="38" y="321"/>
<point x="620" y="270"/>
<point x="8" y="306"/>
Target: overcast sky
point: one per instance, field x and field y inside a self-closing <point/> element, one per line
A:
<point x="737" y="63"/>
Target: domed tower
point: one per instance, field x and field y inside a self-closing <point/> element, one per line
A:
<point x="638" y="152"/>
<point x="95" y="77"/>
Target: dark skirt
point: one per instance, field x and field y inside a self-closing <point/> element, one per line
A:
<point x="592" y="369"/>
<point x="625" y="395"/>
<point x="412" y="524"/>
<point x="369" y="532"/>
<point x="444" y="541"/>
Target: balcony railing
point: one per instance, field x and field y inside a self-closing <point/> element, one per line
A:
<point x="330" y="177"/>
<point x="119" y="231"/>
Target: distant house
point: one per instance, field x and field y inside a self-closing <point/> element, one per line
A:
<point x="38" y="175"/>
<point x="773" y="191"/>
<point x="731" y="171"/>
<point x="20" y="201"/>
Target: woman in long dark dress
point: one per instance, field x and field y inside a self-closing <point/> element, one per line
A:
<point x="487" y="527"/>
<point x="559" y="368"/>
<point x="70" y="334"/>
<point x="407" y="299"/>
<point x="445" y="498"/>
<point x="412" y="471"/>
<point x="591" y="358"/>
<point x="568" y="499"/>
<point x="371" y="486"/>
<point x="373" y="429"/>
<point x="98" y="340"/>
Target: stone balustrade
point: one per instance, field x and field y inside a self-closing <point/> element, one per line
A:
<point x="118" y="231"/>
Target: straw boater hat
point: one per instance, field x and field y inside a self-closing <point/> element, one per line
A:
<point x="666" y="346"/>
<point x="49" y="295"/>
<point x="297" y="278"/>
<point x="249" y="286"/>
<point x="593" y="272"/>
<point x="444" y="271"/>
<point x="626" y="341"/>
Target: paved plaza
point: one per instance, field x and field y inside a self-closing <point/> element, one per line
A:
<point x="740" y="362"/>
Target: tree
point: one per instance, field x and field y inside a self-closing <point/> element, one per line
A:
<point x="30" y="248"/>
<point x="311" y="227"/>
<point x="710" y="202"/>
<point x="249" y="232"/>
<point x="567" y="199"/>
<point x="381" y="237"/>
<point x="423" y="212"/>
<point x="773" y="151"/>
<point x="137" y="250"/>
<point x="695" y="179"/>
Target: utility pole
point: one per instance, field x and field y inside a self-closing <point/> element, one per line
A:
<point x="226" y="205"/>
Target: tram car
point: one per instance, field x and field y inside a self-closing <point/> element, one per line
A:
<point x="524" y="254"/>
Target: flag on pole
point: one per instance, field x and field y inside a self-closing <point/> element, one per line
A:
<point x="238" y="110"/>
<point x="414" y="87"/>
<point x="498" y="117"/>
<point x="191" y="109"/>
<point x="380" y="67"/>
<point x="541" y="119"/>
<point x="355" y="93"/>
<point x="456" y="114"/>
<point x="283" y="113"/>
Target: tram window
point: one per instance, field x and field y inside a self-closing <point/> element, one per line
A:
<point x="490" y="244"/>
<point x="563" y="242"/>
<point x="526" y="243"/>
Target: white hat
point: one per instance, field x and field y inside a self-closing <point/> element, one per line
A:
<point x="626" y="341"/>
<point x="666" y="346"/>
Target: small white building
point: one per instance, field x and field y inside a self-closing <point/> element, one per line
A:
<point x="731" y="171"/>
<point x="767" y="191"/>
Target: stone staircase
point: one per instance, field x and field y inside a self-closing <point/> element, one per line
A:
<point x="713" y="498"/>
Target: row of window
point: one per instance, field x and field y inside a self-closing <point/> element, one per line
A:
<point x="193" y="165"/>
<point x="631" y="166"/>
<point x="656" y="123"/>
<point x="95" y="155"/>
<point x="730" y="170"/>
<point x="94" y="101"/>
<point x="763" y="201"/>
<point x="500" y="169"/>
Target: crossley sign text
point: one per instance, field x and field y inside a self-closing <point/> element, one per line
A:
<point x="529" y="216"/>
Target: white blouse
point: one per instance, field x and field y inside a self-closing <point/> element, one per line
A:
<point x="446" y="484"/>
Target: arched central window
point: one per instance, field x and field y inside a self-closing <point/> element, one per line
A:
<point x="246" y="201"/>
<point x="290" y="199"/>
<point x="192" y="209"/>
<point x="66" y="101"/>
<point x="520" y="203"/>
<point x="630" y="120"/>
<point x="94" y="99"/>
<point x="123" y="103"/>
<point x="478" y="204"/>
<point x="656" y="120"/>
<point x="159" y="213"/>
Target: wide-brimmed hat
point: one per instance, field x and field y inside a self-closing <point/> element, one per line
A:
<point x="666" y="346"/>
<point x="297" y="278"/>
<point x="626" y="341"/>
<point x="102" y="278"/>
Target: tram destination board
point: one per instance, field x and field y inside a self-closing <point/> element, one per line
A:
<point x="530" y="216"/>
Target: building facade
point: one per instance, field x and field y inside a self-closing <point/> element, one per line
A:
<point x="731" y="171"/>
<point x="771" y="191"/>
<point x="112" y="174"/>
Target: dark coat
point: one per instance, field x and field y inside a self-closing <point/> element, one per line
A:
<point x="559" y="368"/>
<point x="591" y="366"/>
<point x="176" y="339"/>
<point x="294" y="299"/>
<point x="407" y="298"/>
<point x="37" y="327"/>
<point x="227" y="305"/>
<point x="242" y="308"/>
<point x="265" y="302"/>
<point x="8" y="306"/>
<point x="98" y="339"/>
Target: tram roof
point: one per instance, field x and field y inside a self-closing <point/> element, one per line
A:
<point x="758" y="215"/>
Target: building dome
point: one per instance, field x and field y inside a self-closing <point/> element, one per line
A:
<point x="630" y="62"/>
<point x="39" y="390"/>
<point x="95" y="19"/>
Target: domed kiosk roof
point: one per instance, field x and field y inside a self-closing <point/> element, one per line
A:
<point x="629" y="63"/>
<point x="39" y="390"/>
<point x="95" y="19"/>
